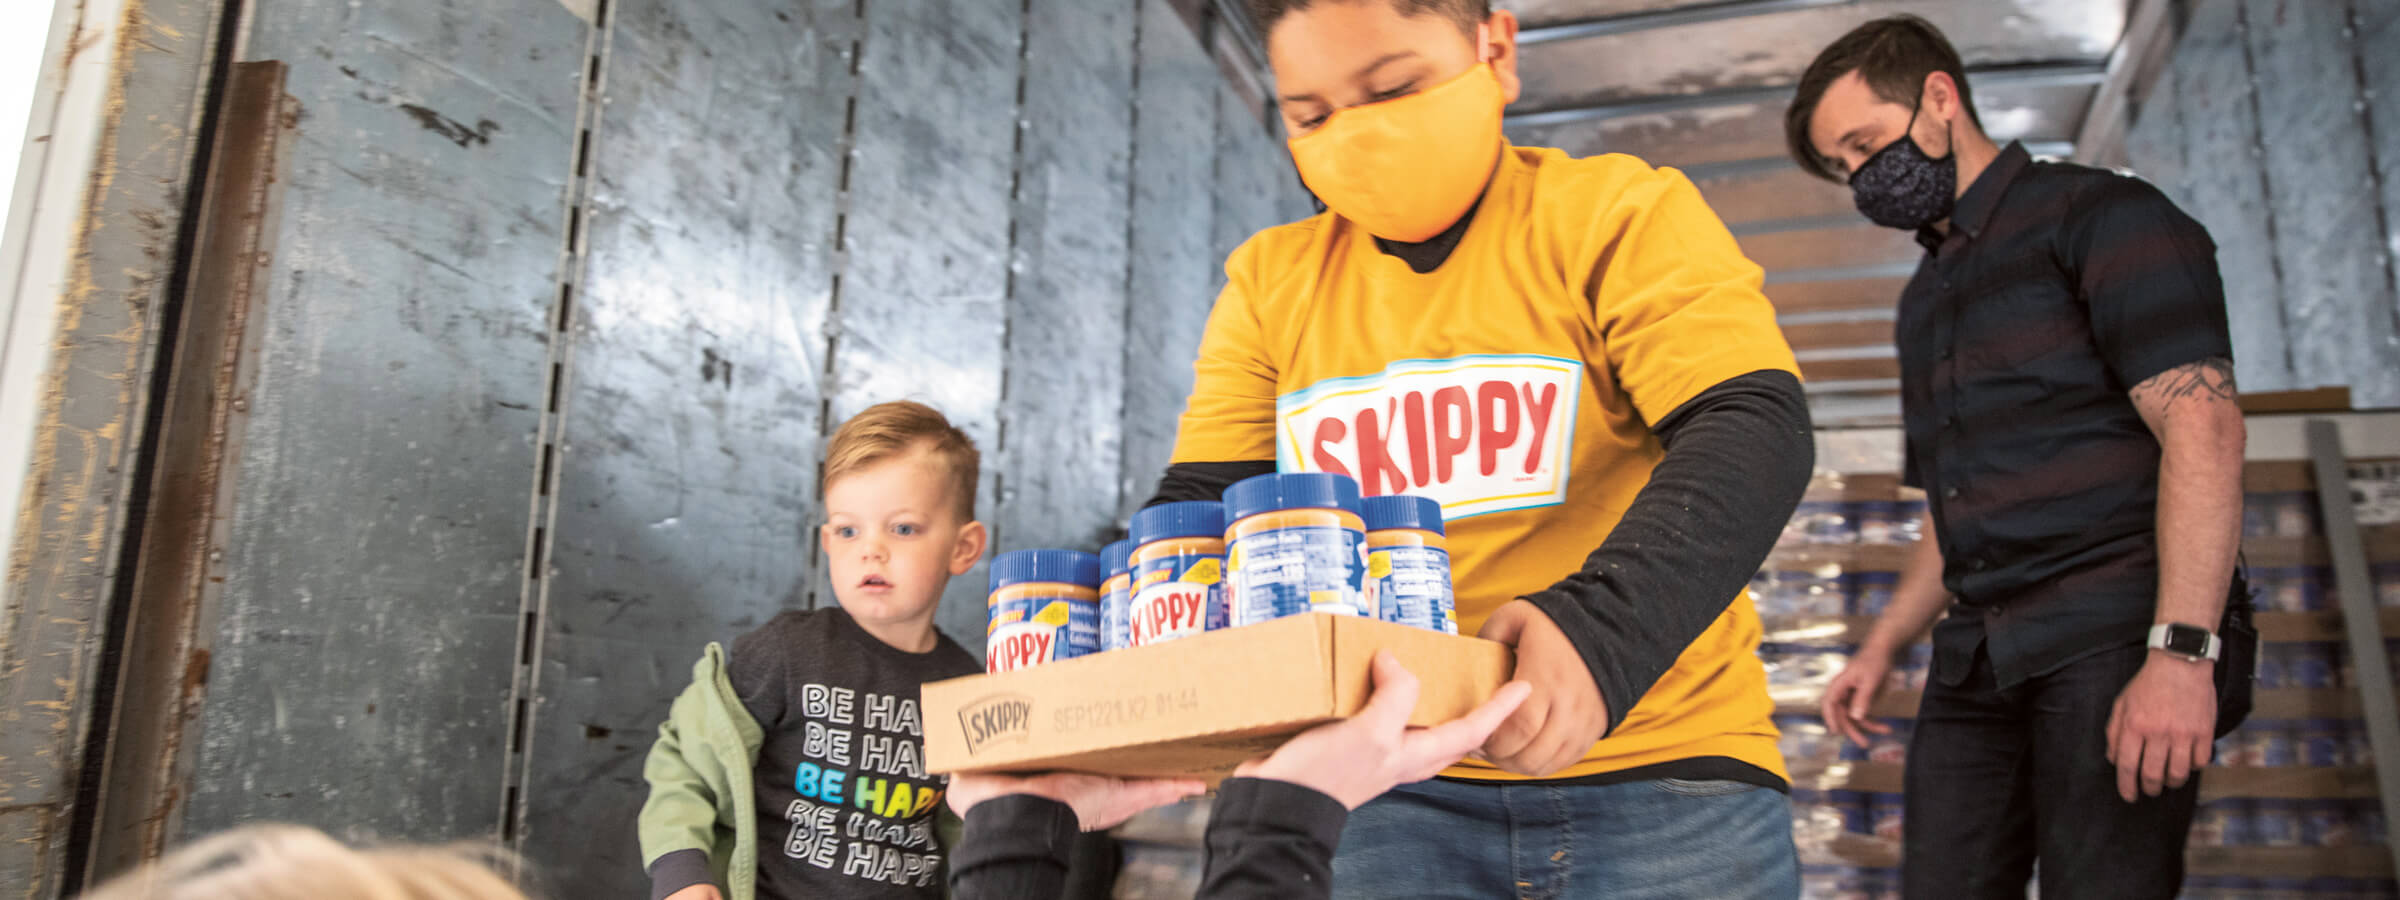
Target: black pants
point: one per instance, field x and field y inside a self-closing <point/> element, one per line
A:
<point x="1999" y="777"/>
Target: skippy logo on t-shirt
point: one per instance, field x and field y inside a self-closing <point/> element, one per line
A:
<point x="1481" y="433"/>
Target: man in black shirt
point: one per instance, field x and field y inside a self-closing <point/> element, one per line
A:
<point x="2067" y="389"/>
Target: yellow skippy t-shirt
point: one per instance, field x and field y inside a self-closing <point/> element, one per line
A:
<point x="1516" y="384"/>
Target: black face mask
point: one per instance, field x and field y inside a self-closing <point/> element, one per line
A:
<point x="1901" y="187"/>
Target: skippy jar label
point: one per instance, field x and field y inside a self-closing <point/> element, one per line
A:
<point x="1033" y="631"/>
<point x="1177" y="596"/>
<point x="1287" y="568"/>
<point x="1480" y="434"/>
<point x="1411" y="585"/>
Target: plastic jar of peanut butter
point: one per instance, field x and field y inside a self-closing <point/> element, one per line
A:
<point x="1296" y="545"/>
<point x="1116" y="593"/>
<point x="1178" y="572"/>
<point x="1044" y="607"/>
<point x="1408" y="562"/>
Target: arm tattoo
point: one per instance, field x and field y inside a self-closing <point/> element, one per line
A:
<point x="2211" y="377"/>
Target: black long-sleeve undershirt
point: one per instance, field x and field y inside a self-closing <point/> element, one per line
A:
<point x="1265" y="839"/>
<point x="1737" y="459"/>
<point x="1204" y="480"/>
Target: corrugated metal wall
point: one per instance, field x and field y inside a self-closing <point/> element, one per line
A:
<point x="693" y="382"/>
<point x="363" y="659"/>
<point x="566" y="301"/>
<point x="100" y="254"/>
<point x="2277" y="124"/>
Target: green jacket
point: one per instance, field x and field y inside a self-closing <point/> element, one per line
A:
<point x="699" y="772"/>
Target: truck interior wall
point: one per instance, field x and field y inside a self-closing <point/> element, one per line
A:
<point x="2276" y="125"/>
<point x="366" y="640"/>
<point x="692" y="400"/>
<point x="567" y="299"/>
<point x="2378" y="53"/>
<point x="91" y="270"/>
<point x="1176" y="261"/>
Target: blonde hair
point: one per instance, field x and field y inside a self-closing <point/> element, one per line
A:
<point x="288" y="862"/>
<point x="889" y="429"/>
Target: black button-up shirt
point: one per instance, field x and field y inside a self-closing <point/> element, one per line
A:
<point x="2056" y="290"/>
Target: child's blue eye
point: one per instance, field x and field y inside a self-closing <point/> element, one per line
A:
<point x="905" y="530"/>
<point x="845" y="532"/>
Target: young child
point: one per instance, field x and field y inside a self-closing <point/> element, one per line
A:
<point x="289" y="862"/>
<point x="796" y="768"/>
<point x="1574" y="358"/>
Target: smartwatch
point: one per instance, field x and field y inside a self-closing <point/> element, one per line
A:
<point x="2191" y="642"/>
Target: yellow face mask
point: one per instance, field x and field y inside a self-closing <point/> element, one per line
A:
<point x="1406" y="168"/>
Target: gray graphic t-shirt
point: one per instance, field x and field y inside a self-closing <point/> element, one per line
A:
<point x="845" y="806"/>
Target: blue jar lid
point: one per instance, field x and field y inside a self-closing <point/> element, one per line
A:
<point x="1402" y="511"/>
<point x="1290" y="490"/>
<point x="1118" y="557"/>
<point x="1190" y="518"/>
<point x="1032" y="566"/>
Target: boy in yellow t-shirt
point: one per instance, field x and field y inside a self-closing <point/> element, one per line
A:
<point x="1575" y="359"/>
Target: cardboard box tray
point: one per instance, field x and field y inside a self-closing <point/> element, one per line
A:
<point x="1197" y="707"/>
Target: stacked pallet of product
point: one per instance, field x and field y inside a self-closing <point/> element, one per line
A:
<point x="2289" y="805"/>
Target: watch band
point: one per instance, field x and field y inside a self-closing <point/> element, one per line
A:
<point x="2164" y="637"/>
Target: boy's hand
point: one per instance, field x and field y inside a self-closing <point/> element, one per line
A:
<point x="701" y="891"/>
<point x="1565" y="715"/>
<point x="1357" y="759"/>
<point x="1099" y="801"/>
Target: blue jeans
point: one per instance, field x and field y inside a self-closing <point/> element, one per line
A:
<point x="1719" y="840"/>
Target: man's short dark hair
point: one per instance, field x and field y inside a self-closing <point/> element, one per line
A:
<point x="1893" y="54"/>
<point x="1467" y="13"/>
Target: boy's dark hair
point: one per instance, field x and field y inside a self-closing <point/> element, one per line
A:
<point x="1893" y="54"/>
<point x="1467" y="13"/>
